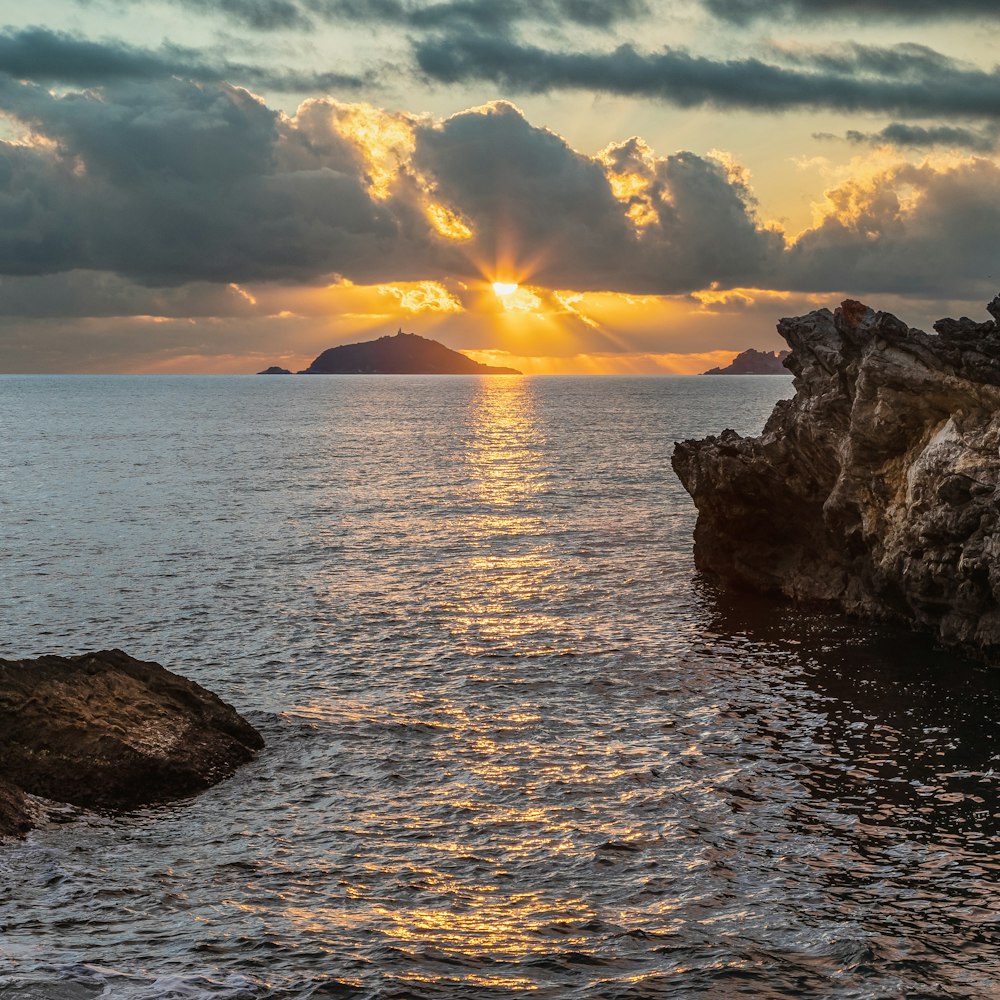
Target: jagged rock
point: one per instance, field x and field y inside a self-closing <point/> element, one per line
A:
<point x="876" y="486"/>
<point x="275" y="370"/>
<point x="16" y="817"/>
<point x="754" y="362"/>
<point x="993" y="308"/>
<point x="108" y="732"/>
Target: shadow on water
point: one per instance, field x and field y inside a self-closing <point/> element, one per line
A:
<point x="909" y="734"/>
<point x="890" y="749"/>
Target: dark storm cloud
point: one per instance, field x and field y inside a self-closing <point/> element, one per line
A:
<point x="165" y="183"/>
<point x="909" y="80"/>
<point x="100" y="293"/>
<point x="745" y="11"/>
<point x="53" y="56"/>
<point x="41" y="54"/>
<point x="488" y="13"/>
<point x="531" y="195"/>
<point x="170" y="181"/>
<point x="913" y="230"/>
<point x="263" y="15"/>
<point x="905" y="61"/>
<point x="526" y="186"/>
<point x="985" y="140"/>
<point x="271" y="15"/>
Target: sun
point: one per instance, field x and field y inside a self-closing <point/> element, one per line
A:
<point x="504" y="288"/>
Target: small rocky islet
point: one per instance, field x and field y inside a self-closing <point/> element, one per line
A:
<point x="401" y="354"/>
<point x="104" y="731"/>
<point x="754" y="362"/>
<point x="876" y="488"/>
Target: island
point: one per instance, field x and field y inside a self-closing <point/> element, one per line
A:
<point x="875" y="488"/>
<point x="107" y="732"/>
<point x="402" y="354"/>
<point x="754" y="362"/>
<point x="275" y="370"/>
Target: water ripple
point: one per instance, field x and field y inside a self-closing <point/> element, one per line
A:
<point x="515" y="745"/>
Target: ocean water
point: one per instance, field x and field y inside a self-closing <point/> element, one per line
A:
<point x="515" y="745"/>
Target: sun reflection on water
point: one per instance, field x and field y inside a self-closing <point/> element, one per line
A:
<point x="506" y="809"/>
<point x="513" y="574"/>
<point x="488" y="923"/>
<point x="519" y="786"/>
<point x="504" y="454"/>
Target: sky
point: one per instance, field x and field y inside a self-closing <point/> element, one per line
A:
<point x="563" y="186"/>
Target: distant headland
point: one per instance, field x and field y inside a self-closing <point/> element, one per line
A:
<point x="403" y="354"/>
<point x="753" y="362"/>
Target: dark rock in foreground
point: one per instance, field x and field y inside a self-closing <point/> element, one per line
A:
<point x="108" y="732"/>
<point x="275" y="370"/>
<point x="404" y="354"/>
<point x="876" y="486"/>
<point x="754" y="362"/>
<point x="16" y="816"/>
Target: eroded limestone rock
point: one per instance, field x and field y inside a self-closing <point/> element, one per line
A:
<point x="875" y="487"/>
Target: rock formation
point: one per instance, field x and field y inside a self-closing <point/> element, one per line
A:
<point x="107" y="732"/>
<point x="754" y="362"/>
<point x="403" y="354"/>
<point x="876" y="486"/>
<point x="16" y="815"/>
<point x="275" y="370"/>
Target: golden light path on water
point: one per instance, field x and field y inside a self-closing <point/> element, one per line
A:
<point x="497" y="769"/>
<point x="511" y="582"/>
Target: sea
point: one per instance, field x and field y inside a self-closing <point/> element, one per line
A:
<point x="516" y="745"/>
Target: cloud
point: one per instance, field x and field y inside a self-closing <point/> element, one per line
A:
<point x="103" y="294"/>
<point x="262" y="15"/>
<point x="744" y="11"/>
<point x="171" y="184"/>
<point x="908" y="80"/>
<point x="275" y="15"/>
<point x="43" y="55"/>
<point x="905" y="60"/>
<point x="476" y="43"/>
<point x="903" y="135"/>
<point x="166" y="182"/>
<point x="925" y="230"/>
<point x="539" y="208"/>
<point x="528" y="193"/>
<point x="171" y="181"/>
<point x="486" y="13"/>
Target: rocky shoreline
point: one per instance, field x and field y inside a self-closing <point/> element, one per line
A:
<point x="107" y="732"/>
<point x="876" y="486"/>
